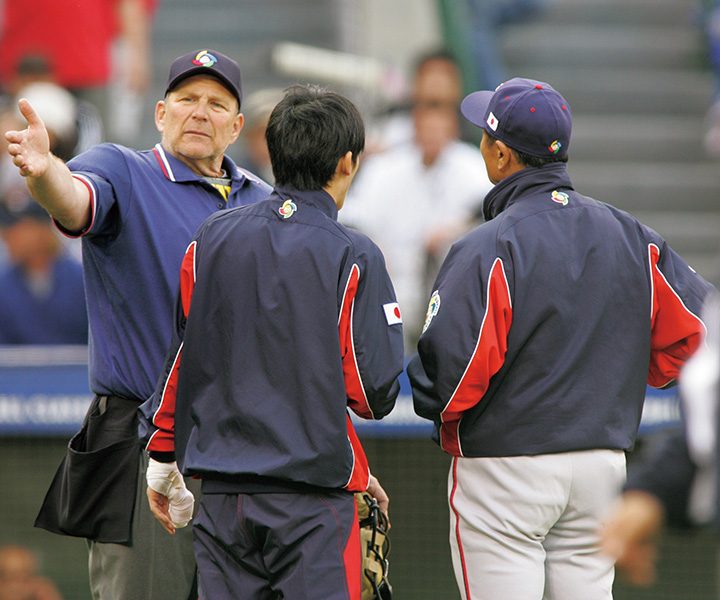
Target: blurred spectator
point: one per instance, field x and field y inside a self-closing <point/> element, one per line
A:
<point x="71" y="129"/>
<point x="709" y="21"/>
<point x="131" y="70"/>
<point x="42" y="299"/>
<point x="257" y="108"/>
<point x="34" y="69"/>
<point x="679" y="484"/>
<point x="76" y="38"/>
<point x="488" y="18"/>
<point x="437" y="81"/>
<point x="19" y="579"/>
<point x="419" y="196"/>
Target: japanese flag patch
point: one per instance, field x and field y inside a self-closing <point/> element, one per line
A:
<point x="392" y="313"/>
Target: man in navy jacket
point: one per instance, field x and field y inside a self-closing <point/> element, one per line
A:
<point x="284" y="319"/>
<point x="546" y="325"/>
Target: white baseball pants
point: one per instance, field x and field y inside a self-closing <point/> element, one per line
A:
<point x="526" y="527"/>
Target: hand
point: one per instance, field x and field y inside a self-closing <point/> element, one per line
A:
<point x="160" y="507"/>
<point x="170" y="501"/>
<point x="630" y="536"/>
<point x="30" y="148"/>
<point x="377" y="492"/>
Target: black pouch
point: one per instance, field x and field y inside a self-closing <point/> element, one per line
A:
<point x="93" y="492"/>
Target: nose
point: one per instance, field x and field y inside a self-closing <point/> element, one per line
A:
<point x="201" y="110"/>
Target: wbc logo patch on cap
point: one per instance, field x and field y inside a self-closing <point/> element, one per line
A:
<point x="204" y="59"/>
<point x="492" y="121"/>
<point x="555" y="147"/>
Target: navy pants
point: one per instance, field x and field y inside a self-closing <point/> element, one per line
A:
<point x="268" y="546"/>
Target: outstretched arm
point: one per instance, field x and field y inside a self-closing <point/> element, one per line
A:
<point x="48" y="178"/>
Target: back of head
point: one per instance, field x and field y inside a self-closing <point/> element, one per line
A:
<point x="309" y="131"/>
<point x="529" y="116"/>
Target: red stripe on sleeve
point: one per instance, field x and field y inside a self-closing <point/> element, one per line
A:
<point x="356" y="398"/>
<point x="163" y="440"/>
<point x="187" y="277"/>
<point x="676" y="332"/>
<point x="486" y="360"/>
<point x="360" y="477"/>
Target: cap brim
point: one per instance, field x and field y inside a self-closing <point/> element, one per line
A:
<point x="474" y="107"/>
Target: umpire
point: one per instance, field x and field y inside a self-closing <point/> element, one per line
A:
<point x="546" y="325"/>
<point x="136" y="212"/>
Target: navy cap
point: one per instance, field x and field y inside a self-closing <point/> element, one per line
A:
<point x="528" y="115"/>
<point x="207" y="62"/>
<point x="15" y="207"/>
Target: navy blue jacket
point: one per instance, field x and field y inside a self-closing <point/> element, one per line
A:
<point x="548" y="322"/>
<point x="285" y="319"/>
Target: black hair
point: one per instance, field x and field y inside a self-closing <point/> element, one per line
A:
<point x="440" y="54"/>
<point x="527" y="160"/>
<point x="308" y="132"/>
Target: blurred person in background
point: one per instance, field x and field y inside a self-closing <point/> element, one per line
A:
<point x="70" y="129"/>
<point x="19" y="577"/>
<point x="487" y="20"/>
<point x="42" y="299"/>
<point x="257" y="109"/>
<point x="131" y="72"/>
<point x="417" y="197"/>
<point x="35" y="69"/>
<point x="678" y="485"/>
<point x="76" y="38"/>
<point x="136" y="212"/>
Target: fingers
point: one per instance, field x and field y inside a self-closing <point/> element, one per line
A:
<point x="29" y="113"/>
<point x="377" y="492"/>
<point x="159" y="505"/>
<point x="631" y="534"/>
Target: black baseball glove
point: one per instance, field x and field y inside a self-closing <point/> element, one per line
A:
<point x="375" y="546"/>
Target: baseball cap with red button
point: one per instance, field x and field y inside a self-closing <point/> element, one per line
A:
<point x="527" y="115"/>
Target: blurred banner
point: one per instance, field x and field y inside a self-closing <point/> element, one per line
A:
<point x="44" y="392"/>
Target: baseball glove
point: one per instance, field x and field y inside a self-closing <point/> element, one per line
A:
<point x="375" y="546"/>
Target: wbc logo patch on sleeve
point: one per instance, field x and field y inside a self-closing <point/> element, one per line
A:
<point x="392" y="313"/>
<point x="433" y="308"/>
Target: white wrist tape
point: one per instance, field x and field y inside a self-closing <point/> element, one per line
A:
<point x="166" y="479"/>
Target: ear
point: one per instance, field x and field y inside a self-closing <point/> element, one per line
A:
<point x="346" y="165"/>
<point x="237" y="127"/>
<point x="160" y="116"/>
<point x="504" y="156"/>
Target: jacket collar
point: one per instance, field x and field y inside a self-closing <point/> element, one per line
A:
<point x="523" y="183"/>
<point x="319" y="199"/>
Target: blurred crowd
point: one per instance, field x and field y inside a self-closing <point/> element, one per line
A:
<point x="83" y="102"/>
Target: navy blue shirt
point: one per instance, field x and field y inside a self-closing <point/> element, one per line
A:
<point x="58" y="317"/>
<point x="146" y="205"/>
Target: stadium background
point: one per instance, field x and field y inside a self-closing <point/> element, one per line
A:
<point x="636" y="75"/>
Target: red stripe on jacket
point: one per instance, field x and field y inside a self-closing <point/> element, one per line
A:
<point x="356" y="399"/>
<point x="353" y="383"/>
<point x="676" y="332"/>
<point x="163" y="440"/>
<point x="486" y="360"/>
